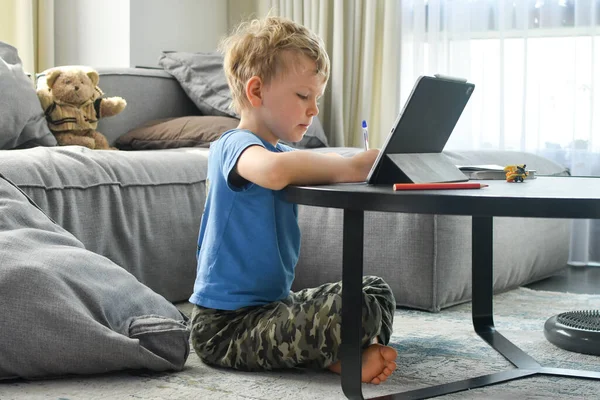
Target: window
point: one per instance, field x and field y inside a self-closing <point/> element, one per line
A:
<point x="536" y="66"/>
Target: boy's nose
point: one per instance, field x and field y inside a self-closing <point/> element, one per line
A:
<point x="313" y="110"/>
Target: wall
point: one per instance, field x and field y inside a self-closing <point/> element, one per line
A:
<point x="241" y="10"/>
<point x="91" y="32"/>
<point x="8" y="14"/>
<point x="180" y="25"/>
<point x="123" y="33"/>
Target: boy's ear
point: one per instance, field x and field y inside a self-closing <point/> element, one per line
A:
<point x="254" y="88"/>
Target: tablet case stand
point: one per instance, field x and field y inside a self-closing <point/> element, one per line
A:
<point x="413" y="149"/>
<point x="419" y="168"/>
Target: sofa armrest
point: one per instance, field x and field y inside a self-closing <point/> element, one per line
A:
<point x="541" y="164"/>
<point x="150" y="94"/>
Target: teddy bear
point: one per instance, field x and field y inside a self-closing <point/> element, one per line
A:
<point x="73" y="104"/>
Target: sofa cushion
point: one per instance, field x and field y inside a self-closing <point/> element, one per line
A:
<point x="66" y="310"/>
<point x="193" y="131"/>
<point x="141" y="209"/>
<point x="202" y="77"/>
<point x="22" y="122"/>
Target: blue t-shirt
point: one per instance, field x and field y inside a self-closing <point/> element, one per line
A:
<point x="249" y="236"/>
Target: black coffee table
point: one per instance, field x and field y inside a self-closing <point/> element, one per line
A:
<point x="546" y="197"/>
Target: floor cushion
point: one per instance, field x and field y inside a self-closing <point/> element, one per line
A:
<point x="67" y="310"/>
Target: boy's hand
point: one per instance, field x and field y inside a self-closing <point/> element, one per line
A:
<point x="363" y="162"/>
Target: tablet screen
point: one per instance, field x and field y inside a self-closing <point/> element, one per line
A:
<point x="425" y="123"/>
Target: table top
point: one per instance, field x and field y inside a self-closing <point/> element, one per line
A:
<point x="551" y="197"/>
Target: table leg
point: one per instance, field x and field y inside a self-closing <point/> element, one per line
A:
<point x="483" y="322"/>
<point x="483" y="286"/>
<point x="482" y="314"/>
<point x="352" y="273"/>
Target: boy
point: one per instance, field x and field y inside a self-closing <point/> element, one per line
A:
<point x="245" y="315"/>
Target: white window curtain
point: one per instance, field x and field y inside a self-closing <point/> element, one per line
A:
<point x="28" y="25"/>
<point x="536" y="66"/>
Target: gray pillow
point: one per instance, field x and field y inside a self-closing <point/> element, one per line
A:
<point x="66" y="310"/>
<point x="202" y="78"/>
<point x="22" y="122"/>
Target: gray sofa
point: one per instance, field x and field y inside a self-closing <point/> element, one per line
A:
<point x="142" y="209"/>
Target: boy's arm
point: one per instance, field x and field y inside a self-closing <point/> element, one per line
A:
<point x="277" y="170"/>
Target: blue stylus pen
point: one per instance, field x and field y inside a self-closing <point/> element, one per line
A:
<point x="365" y="134"/>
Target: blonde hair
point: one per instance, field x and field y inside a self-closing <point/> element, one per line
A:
<point x="256" y="47"/>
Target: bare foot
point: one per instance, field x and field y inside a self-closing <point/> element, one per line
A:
<point x="378" y="363"/>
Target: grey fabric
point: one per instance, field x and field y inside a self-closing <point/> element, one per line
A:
<point x="66" y="310"/>
<point x="140" y="209"/>
<point x="22" y="122"/>
<point x="202" y="77"/>
<point x="426" y="259"/>
<point x="150" y="94"/>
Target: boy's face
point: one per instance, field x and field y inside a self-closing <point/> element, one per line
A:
<point x="289" y="101"/>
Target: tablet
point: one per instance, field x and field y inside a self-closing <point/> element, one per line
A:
<point x="412" y="151"/>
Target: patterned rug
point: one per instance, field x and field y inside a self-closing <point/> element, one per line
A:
<point x="433" y="348"/>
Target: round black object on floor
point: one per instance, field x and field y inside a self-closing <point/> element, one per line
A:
<point x="577" y="331"/>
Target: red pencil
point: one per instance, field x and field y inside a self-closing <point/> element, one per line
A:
<point x="436" y="186"/>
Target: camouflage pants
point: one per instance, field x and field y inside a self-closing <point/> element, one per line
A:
<point x="302" y="330"/>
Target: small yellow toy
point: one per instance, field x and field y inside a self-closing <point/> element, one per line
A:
<point x="516" y="173"/>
